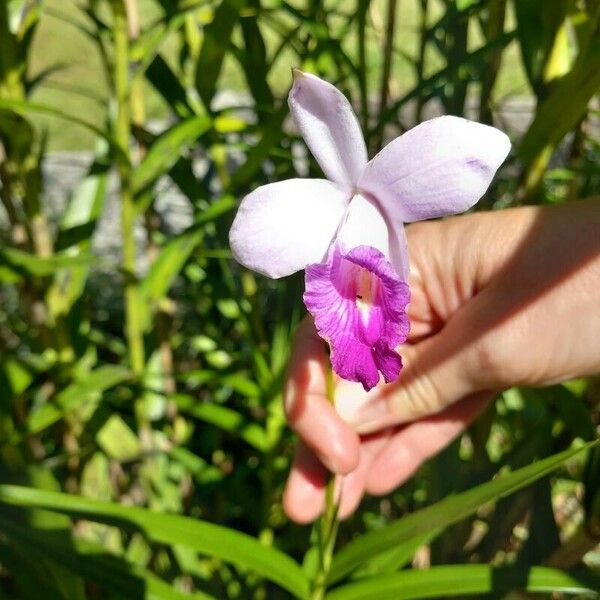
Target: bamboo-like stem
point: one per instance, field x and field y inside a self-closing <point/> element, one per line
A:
<point x="21" y="179"/>
<point x="133" y="324"/>
<point x="328" y="526"/>
<point x="362" y="8"/>
<point x="576" y="157"/>
<point x="423" y="39"/>
<point x="387" y="67"/>
<point x="18" y="231"/>
<point x="493" y="28"/>
<point x="138" y="116"/>
<point x="456" y="43"/>
<point x="570" y="554"/>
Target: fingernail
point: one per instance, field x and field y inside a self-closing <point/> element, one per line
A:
<point x="329" y="463"/>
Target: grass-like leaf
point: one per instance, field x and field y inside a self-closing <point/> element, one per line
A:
<point x="91" y="561"/>
<point x="212" y="540"/>
<point x="225" y="418"/>
<point x="443" y="513"/>
<point x="461" y="580"/>
<point x="167" y="148"/>
<point x="214" y="47"/>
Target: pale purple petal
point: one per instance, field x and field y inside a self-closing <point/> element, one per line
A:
<point x="280" y="228"/>
<point x="329" y="127"/>
<point x="439" y="168"/>
<point x="358" y="303"/>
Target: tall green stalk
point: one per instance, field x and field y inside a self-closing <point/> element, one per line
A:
<point x="420" y="64"/>
<point x="328" y="526"/>
<point x="133" y="323"/>
<point x="386" y="70"/>
<point x="362" y="9"/>
<point x="492" y="20"/>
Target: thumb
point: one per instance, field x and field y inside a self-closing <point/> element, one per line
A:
<point x="437" y="372"/>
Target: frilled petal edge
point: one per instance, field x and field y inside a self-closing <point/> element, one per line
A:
<point x="358" y="303"/>
<point x="280" y="228"/>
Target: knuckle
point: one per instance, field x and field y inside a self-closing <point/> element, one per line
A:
<point x="418" y="396"/>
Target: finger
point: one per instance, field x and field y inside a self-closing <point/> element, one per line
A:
<point x="308" y="409"/>
<point x="437" y="372"/>
<point x="353" y="485"/>
<point x="304" y="494"/>
<point x="413" y="444"/>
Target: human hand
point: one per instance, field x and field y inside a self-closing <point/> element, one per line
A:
<point x="498" y="299"/>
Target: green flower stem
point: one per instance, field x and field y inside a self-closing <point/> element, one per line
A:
<point x="328" y="526"/>
<point x="133" y="325"/>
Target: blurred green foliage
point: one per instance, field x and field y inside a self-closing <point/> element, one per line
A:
<point x="142" y="440"/>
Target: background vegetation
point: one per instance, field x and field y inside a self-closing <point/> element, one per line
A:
<point x="142" y="441"/>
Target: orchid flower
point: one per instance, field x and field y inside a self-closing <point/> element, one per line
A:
<point x="347" y="231"/>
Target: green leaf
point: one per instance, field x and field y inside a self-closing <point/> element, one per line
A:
<point x="272" y="134"/>
<point x="118" y="440"/>
<point x="202" y="471"/>
<point x="169" y="262"/>
<point x="8" y="275"/>
<point x="166" y="83"/>
<point x="212" y="540"/>
<point x="446" y="512"/>
<point x="173" y="256"/>
<point x="397" y="557"/>
<point x="458" y="580"/>
<point x="433" y="85"/>
<point x="537" y="26"/>
<point x="52" y="524"/>
<point x="14" y="378"/>
<point x="214" y="210"/>
<point x="254" y="60"/>
<point x="86" y="203"/>
<point x="29" y="575"/>
<point x="78" y="393"/>
<point x="38" y="266"/>
<point x="91" y="561"/>
<point x="225" y="418"/>
<point x="563" y="108"/>
<point x="24" y="15"/>
<point x="166" y="150"/>
<point x="214" y="47"/>
<point x="26" y="107"/>
<point x="76" y="231"/>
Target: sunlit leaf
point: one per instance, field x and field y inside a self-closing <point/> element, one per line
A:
<point x="225" y="418"/>
<point x="118" y="440"/>
<point x="214" y="46"/>
<point x="40" y="266"/>
<point x="459" y="580"/>
<point x="91" y="561"/>
<point x="446" y="512"/>
<point x="75" y="395"/>
<point x="166" y="150"/>
<point x="213" y="540"/>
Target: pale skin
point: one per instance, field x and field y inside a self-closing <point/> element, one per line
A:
<point x="498" y="299"/>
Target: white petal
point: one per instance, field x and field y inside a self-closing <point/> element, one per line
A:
<point x="329" y="127"/>
<point x="439" y="168"/>
<point x="364" y="226"/>
<point x="399" y="250"/>
<point x="280" y="228"/>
